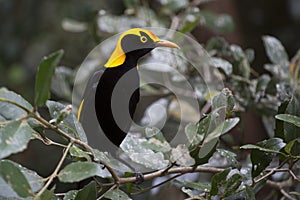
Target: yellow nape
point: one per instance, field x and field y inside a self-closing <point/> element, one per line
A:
<point x="80" y="109"/>
<point x="118" y="56"/>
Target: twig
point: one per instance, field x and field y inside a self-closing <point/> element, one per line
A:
<point x="177" y="170"/>
<point x="157" y="185"/>
<point x="76" y="141"/>
<point x="54" y="174"/>
<point x="284" y="193"/>
<point x="16" y="104"/>
<point x="112" y="188"/>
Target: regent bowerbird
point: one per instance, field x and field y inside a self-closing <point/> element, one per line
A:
<point x="114" y="88"/>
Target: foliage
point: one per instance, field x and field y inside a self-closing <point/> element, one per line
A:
<point x="275" y="96"/>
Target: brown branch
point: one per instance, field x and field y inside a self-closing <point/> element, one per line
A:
<point x="177" y="170"/>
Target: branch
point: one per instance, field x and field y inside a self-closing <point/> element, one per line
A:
<point x="177" y="170"/>
<point x="54" y="174"/>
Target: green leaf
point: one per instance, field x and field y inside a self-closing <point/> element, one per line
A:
<point x="156" y="145"/>
<point x="275" y="50"/>
<point x="222" y="64"/>
<point x="232" y="184"/>
<point x="44" y="75"/>
<point x="196" y="186"/>
<point x="181" y="156"/>
<point x="137" y="152"/>
<point x="293" y="148"/>
<point x="217" y="181"/>
<point x="88" y="192"/>
<point x="49" y="195"/>
<point x="62" y="82"/>
<point x="224" y="99"/>
<point x="289" y="118"/>
<point x="250" y="195"/>
<point x="230" y="157"/>
<point x="117" y="194"/>
<point x="191" y="134"/>
<point x="9" y="111"/>
<point x="34" y="180"/>
<point x="13" y="176"/>
<point x="262" y="153"/>
<point x="223" y="128"/>
<point x="79" y="171"/>
<point x="292" y="131"/>
<point x="71" y="124"/>
<point x="77" y="152"/>
<point x="70" y="195"/>
<point x="14" y="138"/>
<point x="219" y="23"/>
<point x="279" y="125"/>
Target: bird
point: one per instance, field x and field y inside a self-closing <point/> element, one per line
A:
<point x="112" y="93"/>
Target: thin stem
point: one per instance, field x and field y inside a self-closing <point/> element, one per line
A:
<point x="157" y="185"/>
<point x="54" y="174"/>
<point x="16" y="104"/>
<point x="110" y="189"/>
<point x="177" y="170"/>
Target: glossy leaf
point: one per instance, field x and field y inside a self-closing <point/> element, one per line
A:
<point x="14" y="178"/>
<point x="217" y="181"/>
<point x="289" y="118"/>
<point x="232" y="185"/>
<point x="262" y="153"/>
<point x="14" y="138"/>
<point x="291" y="131"/>
<point x="117" y="194"/>
<point x="9" y="111"/>
<point x="79" y="171"/>
<point x="293" y="148"/>
<point x="44" y="75"/>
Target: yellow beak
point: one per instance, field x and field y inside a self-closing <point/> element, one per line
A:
<point x="165" y="43"/>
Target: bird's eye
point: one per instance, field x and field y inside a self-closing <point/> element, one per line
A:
<point x="143" y="39"/>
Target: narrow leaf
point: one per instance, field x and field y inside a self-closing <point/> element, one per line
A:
<point x="88" y="192"/>
<point x="289" y="118"/>
<point x="44" y="75"/>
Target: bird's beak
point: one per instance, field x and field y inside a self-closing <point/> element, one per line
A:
<point x="165" y="43"/>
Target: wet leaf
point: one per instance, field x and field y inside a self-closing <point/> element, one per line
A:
<point x="232" y="185"/>
<point x="70" y="124"/>
<point x="14" y="138"/>
<point x="9" y="111"/>
<point x="44" y="75"/>
<point x="217" y="181"/>
<point x="262" y="153"/>
<point x="14" y="178"/>
<point x="230" y="157"/>
<point x="134" y="148"/>
<point x="222" y="64"/>
<point x="117" y="194"/>
<point x="181" y="156"/>
<point x="219" y="23"/>
<point x="79" y="171"/>
<point x="77" y="152"/>
<point x="275" y="50"/>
